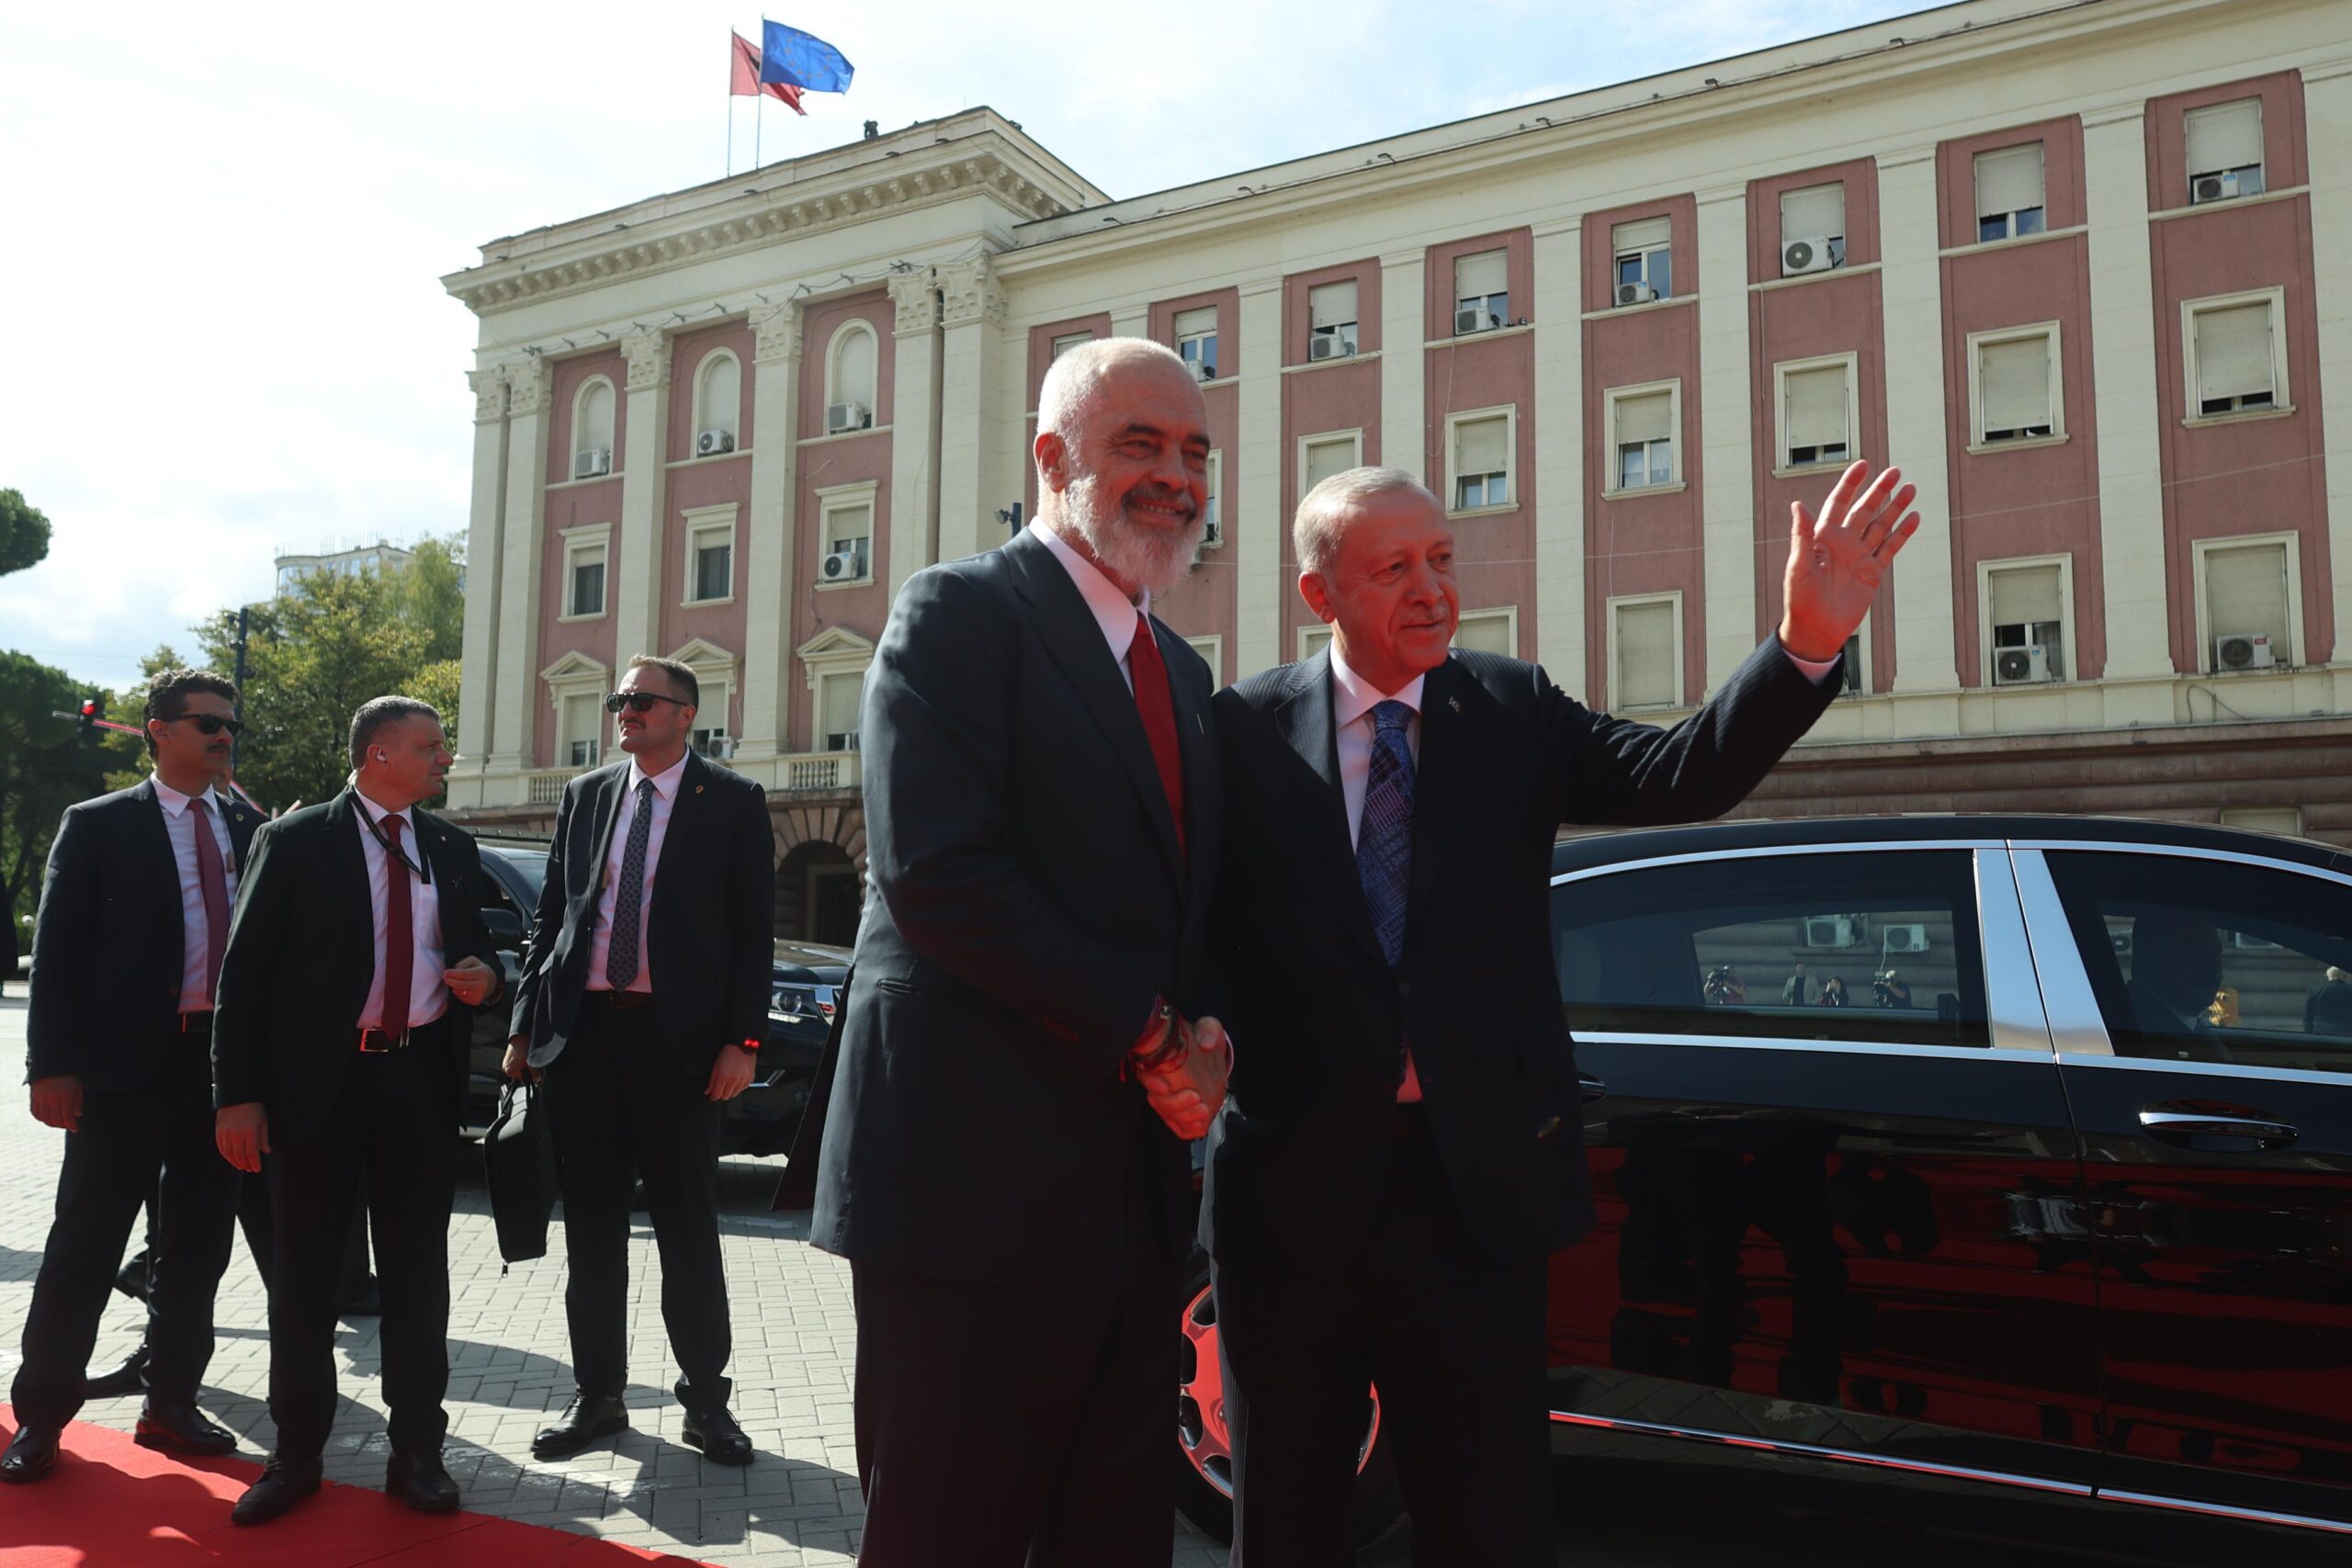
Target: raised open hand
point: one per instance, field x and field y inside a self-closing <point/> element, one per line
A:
<point x="1837" y="560"/>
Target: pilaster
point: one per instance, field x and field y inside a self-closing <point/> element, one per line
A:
<point x="1404" y="366"/>
<point x="974" y="424"/>
<point x="1726" y="433"/>
<point x="636" y="585"/>
<point x="769" y="535"/>
<point x="523" y="524"/>
<point x="1927" y="663"/>
<point x="913" y="538"/>
<point x="476" y="676"/>
<point x="2327" y="123"/>
<point x="1559" y="453"/>
<point x="1258" y="547"/>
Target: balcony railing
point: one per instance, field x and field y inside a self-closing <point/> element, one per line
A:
<point x="819" y="769"/>
<point x="544" y="786"/>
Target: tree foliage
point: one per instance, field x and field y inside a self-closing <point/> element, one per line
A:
<point x="44" y="770"/>
<point x="24" y="533"/>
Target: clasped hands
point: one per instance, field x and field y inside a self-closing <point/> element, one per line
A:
<point x="1186" y="1089"/>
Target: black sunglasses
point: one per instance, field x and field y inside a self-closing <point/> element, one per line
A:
<point x="639" y="702"/>
<point x="213" y="724"/>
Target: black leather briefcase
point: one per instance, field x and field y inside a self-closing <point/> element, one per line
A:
<point x="518" y="1156"/>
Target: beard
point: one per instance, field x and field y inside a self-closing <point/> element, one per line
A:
<point x="1154" y="560"/>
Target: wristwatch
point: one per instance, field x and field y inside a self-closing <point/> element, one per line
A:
<point x="751" y="1045"/>
<point x="1162" y="1027"/>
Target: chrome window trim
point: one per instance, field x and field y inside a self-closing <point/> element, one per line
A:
<point x="2012" y="996"/>
<point x="2237" y="857"/>
<point x="2228" y="1511"/>
<point x="2077" y="1027"/>
<point x="2236" y="1070"/>
<point x="2038" y="1055"/>
<point x="1760" y="850"/>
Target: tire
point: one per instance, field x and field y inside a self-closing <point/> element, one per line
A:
<point x="1204" y="1448"/>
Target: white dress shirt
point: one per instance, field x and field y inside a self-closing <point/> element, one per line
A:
<point x="428" y="996"/>
<point x="600" y="946"/>
<point x="1113" y="611"/>
<point x="196" y="931"/>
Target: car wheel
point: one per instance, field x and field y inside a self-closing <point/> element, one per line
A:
<point x="1204" y="1441"/>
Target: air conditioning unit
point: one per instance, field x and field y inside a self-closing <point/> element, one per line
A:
<point x="1212" y="536"/>
<point x="1201" y="371"/>
<point x="1475" y="319"/>
<point x="1635" y="294"/>
<point x="839" y="417"/>
<point x="2213" y="187"/>
<point x="1903" y="938"/>
<point x="594" y="461"/>
<point x="710" y="442"/>
<point x="1804" y="256"/>
<point x="1327" y="345"/>
<point x="720" y="746"/>
<point x="2243" y="650"/>
<point x="2020" y="666"/>
<point x="1836" y="931"/>
<point x="845" y="740"/>
<point x="841" y="566"/>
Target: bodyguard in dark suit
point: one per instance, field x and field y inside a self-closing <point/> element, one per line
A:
<point x="1003" y="1161"/>
<point x="645" y="1006"/>
<point x="134" y="919"/>
<point x="1402" y="1148"/>
<point x="2327" y="1006"/>
<point x="355" y="965"/>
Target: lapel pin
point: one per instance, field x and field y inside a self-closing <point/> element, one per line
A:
<point x="1454" y="702"/>
<point x="698" y="789"/>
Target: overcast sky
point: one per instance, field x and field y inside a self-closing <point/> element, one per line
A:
<point x="225" y="227"/>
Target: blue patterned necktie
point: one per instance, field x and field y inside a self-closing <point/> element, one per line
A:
<point x="621" y="958"/>
<point x="1385" y="837"/>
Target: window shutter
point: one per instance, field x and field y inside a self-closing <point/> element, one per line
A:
<point x="2009" y="180"/>
<point x="596" y="419"/>
<point x="1324" y="458"/>
<point x="1486" y="632"/>
<point x="2024" y="594"/>
<point x="579" y="721"/>
<point x="722" y="389"/>
<point x="1332" y="304"/>
<point x="1478" y="447"/>
<point x="1645" y="235"/>
<point x="1645" y="418"/>
<point x="850" y="523"/>
<point x="2224" y="136"/>
<point x="1817" y="406"/>
<point x="1314" y="640"/>
<point x="843" y="696"/>
<point x="2013" y="382"/>
<point x="1645" y="654"/>
<point x="2234" y="351"/>
<point x="1813" y="213"/>
<point x="2245" y="591"/>
<point x="854" y="372"/>
<point x="1196" y="324"/>
<point x="1477" y="276"/>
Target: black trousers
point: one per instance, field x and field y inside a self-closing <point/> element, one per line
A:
<point x="393" y="1124"/>
<point x="155" y="1143"/>
<point x="1454" y="1342"/>
<point x="622" y="1108"/>
<point x="1000" y="1426"/>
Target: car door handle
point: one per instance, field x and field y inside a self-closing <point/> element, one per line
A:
<point x="1590" y="1088"/>
<point x="2186" y="1127"/>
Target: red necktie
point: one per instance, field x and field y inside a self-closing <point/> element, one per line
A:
<point x="214" y="880"/>
<point x="1158" y="707"/>
<point x="400" y="932"/>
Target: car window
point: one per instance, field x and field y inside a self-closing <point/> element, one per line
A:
<point x="2198" y="959"/>
<point x="1864" y="946"/>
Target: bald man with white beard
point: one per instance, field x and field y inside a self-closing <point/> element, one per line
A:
<point x="1022" y="1059"/>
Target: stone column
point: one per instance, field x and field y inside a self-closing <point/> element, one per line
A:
<point x="2130" y="496"/>
<point x="1404" y="324"/>
<point x="522" y="528"/>
<point x="1912" y="277"/>
<point x="974" y="427"/>
<point x="637" y="543"/>
<point x="915" y="411"/>
<point x="1559" y="452"/>
<point x="1258" y="519"/>
<point x="1725" y="436"/>
<point x="768" y="534"/>
<point x="479" y="656"/>
<point x="2327" y="121"/>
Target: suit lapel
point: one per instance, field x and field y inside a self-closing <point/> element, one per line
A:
<point x="614" y="788"/>
<point x="157" y="834"/>
<point x="1453" y="705"/>
<point x="243" y="822"/>
<point x="1305" y="720"/>
<point x="685" y="821"/>
<point x="1193" y="756"/>
<point x="350" y="863"/>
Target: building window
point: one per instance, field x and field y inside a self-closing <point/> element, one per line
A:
<point x="1320" y="457"/>
<point x="1489" y="631"/>
<point x="2248" y="591"/>
<point x="1480" y="457"/>
<point x="591" y="429"/>
<point x="840" y="698"/>
<point x="2287" y="820"/>
<point x="1812" y="229"/>
<point x="1196" y="341"/>
<point x="715" y="673"/>
<point x="1214" y="512"/>
<point x="1481" y="292"/>
<point x="835" y="663"/>
<point x="1817" y="411"/>
<point x="710" y="554"/>
<point x="1066" y="342"/>
<point x="2024" y="619"/>
<point x="845" y="537"/>
<point x="1331" y="320"/>
<point x="1642" y="425"/>
<point x="1645" y="259"/>
<point x="2237" y="359"/>
<point x="2224" y="150"/>
<point x="583" y="723"/>
<point x="718" y="403"/>
<point x="850" y="386"/>
<point x="1313" y="639"/>
<point x="586" y="553"/>
<point x="2009" y="201"/>
<point x="1646" y="651"/>
<point x="1212" y="651"/>
<point x="1854" y="674"/>
<point x="2014" y="384"/>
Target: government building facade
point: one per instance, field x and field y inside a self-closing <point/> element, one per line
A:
<point x="2083" y="270"/>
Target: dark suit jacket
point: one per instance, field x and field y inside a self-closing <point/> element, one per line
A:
<point x="302" y="955"/>
<point x="1316" y="1013"/>
<point x="108" y="949"/>
<point x="1032" y="901"/>
<point x="2327" y="1007"/>
<point x="710" y="933"/>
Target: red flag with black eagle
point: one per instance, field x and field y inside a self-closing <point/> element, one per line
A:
<point x="743" y="76"/>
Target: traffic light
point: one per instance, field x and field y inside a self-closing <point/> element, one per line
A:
<point x="86" y="723"/>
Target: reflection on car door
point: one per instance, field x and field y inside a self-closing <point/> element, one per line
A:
<point x="1847" y="1228"/>
<point x="2217" y="1118"/>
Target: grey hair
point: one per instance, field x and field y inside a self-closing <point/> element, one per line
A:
<point x="380" y="714"/>
<point x="1072" y="381"/>
<point x="1323" y="511"/>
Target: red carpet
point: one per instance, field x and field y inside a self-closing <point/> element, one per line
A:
<point x="111" y="1503"/>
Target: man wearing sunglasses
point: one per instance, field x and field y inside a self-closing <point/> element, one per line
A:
<point x="645" y="1006"/>
<point x="134" y="919"/>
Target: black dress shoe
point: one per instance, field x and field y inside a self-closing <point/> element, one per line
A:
<point x="132" y="1279"/>
<point x="711" y="1428"/>
<point x="185" y="1427"/>
<point x="589" y="1418"/>
<point x="32" y="1453"/>
<point x="129" y="1378"/>
<point x="283" y="1484"/>
<point x="421" y="1481"/>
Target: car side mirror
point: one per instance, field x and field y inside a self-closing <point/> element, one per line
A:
<point x="504" y="926"/>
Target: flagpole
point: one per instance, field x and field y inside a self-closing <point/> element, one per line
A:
<point x="730" y="104"/>
<point x="758" y="124"/>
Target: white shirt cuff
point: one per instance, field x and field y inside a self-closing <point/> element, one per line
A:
<point x="1816" y="669"/>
